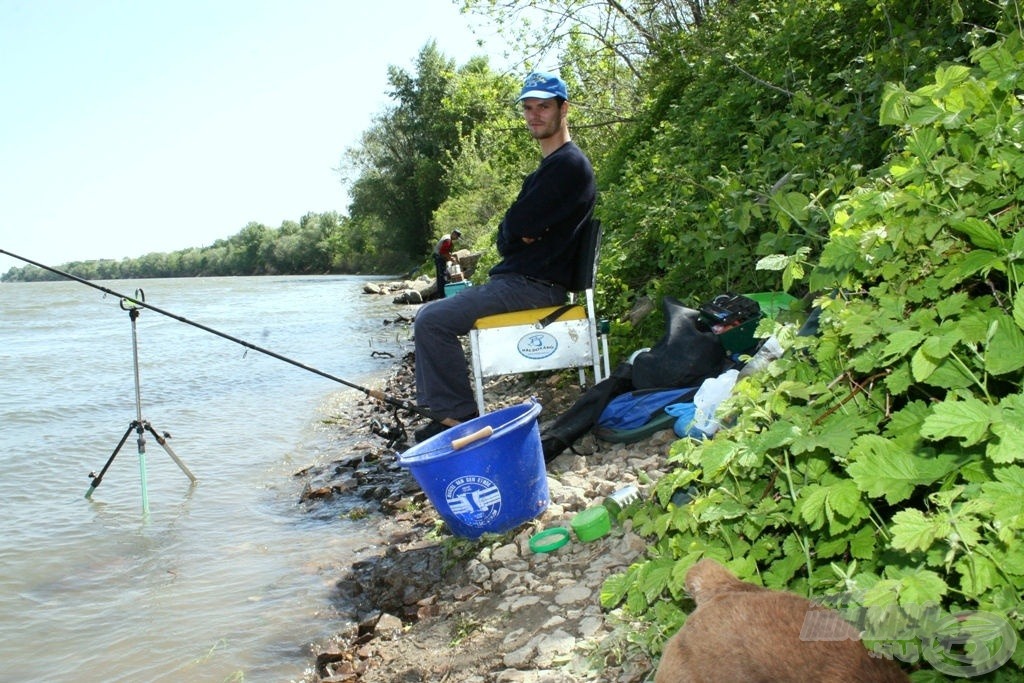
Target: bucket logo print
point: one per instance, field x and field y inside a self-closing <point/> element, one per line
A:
<point x="475" y="500"/>
<point x="537" y="345"/>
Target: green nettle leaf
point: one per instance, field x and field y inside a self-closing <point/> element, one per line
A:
<point x="957" y="11"/>
<point x="614" y="589"/>
<point x="1018" y="306"/>
<point x="905" y="423"/>
<point x="811" y="505"/>
<point x="960" y="176"/>
<point x="1009" y="446"/>
<point x="656" y="576"/>
<point x="922" y="366"/>
<point x="716" y="456"/>
<point x="792" y="205"/>
<point x="830" y="547"/>
<point x="902" y="342"/>
<point x="772" y="262"/>
<point x="1006" y="496"/>
<point x="921" y="588"/>
<point x="836" y="434"/>
<point x="862" y="545"/>
<point x="959" y="268"/>
<point x="968" y="419"/>
<point x="977" y="574"/>
<point x="924" y="143"/>
<point x="784" y="568"/>
<point x="1005" y="352"/>
<point x="939" y="346"/>
<point x="895" y="106"/>
<point x="926" y="114"/>
<point x="933" y="364"/>
<point x="913" y="530"/>
<point x="882" y="468"/>
<point x="899" y="379"/>
<point x="844" y="498"/>
<point x="949" y="373"/>
<point x="980" y="233"/>
<point x="951" y="305"/>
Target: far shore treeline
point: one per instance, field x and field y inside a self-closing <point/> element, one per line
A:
<point x="866" y="157"/>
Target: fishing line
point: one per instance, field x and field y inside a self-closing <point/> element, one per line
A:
<point x="372" y="393"/>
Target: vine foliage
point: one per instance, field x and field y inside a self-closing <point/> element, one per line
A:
<point x="883" y="457"/>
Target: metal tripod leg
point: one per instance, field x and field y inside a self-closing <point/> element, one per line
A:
<point x="162" y="440"/>
<point x="97" y="479"/>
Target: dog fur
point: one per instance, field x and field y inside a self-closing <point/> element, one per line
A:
<point x="742" y="633"/>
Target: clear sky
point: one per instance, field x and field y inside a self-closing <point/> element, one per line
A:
<point x="134" y="126"/>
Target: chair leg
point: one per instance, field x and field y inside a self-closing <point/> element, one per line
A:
<point x="604" y="356"/>
<point x="478" y="378"/>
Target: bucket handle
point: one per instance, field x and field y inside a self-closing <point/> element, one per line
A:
<point x="479" y="434"/>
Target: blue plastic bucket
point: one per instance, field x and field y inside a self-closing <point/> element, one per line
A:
<point x="492" y="484"/>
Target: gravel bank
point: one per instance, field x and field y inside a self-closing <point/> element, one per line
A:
<point x="431" y="607"/>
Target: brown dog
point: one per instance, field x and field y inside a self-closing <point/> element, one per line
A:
<point x="742" y="633"/>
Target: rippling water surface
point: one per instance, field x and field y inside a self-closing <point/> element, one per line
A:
<point x="226" y="580"/>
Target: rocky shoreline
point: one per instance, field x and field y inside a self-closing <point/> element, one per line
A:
<point x="432" y="607"/>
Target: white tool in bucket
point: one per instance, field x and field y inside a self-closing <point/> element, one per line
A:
<point x="463" y="441"/>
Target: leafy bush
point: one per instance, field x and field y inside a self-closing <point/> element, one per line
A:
<point x="760" y="120"/>
<point x="883" y="458"/>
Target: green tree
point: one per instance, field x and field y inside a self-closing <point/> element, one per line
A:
<point x="398" y="172"/>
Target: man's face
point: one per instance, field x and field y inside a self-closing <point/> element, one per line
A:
<point x="543" y="117"/>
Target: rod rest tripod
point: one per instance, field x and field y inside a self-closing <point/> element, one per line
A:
<point x="138" y="425"/>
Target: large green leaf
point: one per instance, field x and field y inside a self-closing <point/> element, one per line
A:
<point x="882" y="468"/>
<point x="980" y="233"/>
<point x="969" y="419"/>
<point x="913" y="530"/>
<point x="1009" y="444"/>
<point x="1005" y="352"/>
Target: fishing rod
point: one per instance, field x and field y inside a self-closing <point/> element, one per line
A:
<point x="372" y="393"/>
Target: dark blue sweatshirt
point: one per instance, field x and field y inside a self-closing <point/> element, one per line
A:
<point x="553" y="204"/>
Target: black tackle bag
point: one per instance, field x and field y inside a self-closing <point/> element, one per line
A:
<point x="687" y="354"/>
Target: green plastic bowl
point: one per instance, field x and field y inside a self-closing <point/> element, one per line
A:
<point x="592" y="523"/>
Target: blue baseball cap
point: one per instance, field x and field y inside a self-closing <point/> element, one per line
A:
<point x="543" y="85"/>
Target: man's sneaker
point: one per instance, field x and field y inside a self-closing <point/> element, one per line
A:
<point x="433" y="428"/>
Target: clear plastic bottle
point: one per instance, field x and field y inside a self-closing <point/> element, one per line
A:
<point x="770" y="350"/>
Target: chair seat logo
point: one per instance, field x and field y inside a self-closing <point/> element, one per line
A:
<point x="537" y="345"/>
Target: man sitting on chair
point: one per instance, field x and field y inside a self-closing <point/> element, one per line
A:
<point x="534" y="238"/>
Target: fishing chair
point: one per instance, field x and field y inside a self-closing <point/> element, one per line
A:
<point x="551" y="338"/>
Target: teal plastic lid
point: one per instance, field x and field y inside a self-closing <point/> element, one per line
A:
<point x="549" y="539"/>
<point x="592" y="523"/>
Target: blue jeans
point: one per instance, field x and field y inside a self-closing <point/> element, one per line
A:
<point x="442" y="373"/>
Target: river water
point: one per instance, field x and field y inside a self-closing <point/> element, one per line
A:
<point x="225" y="580"/>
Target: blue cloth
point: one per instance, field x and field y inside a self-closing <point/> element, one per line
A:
<point x="683" y="412"/>
<point x="636" y="408"/>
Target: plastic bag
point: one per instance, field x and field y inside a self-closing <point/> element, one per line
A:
<point x="712" y="392"/>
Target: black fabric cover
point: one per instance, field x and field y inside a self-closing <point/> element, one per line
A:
<point x="687" y="354"/>
<point x="582" y="416"/>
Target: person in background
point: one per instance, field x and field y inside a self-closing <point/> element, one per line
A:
<point x="535" y="236"/>
<point x="444" y="253"/>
